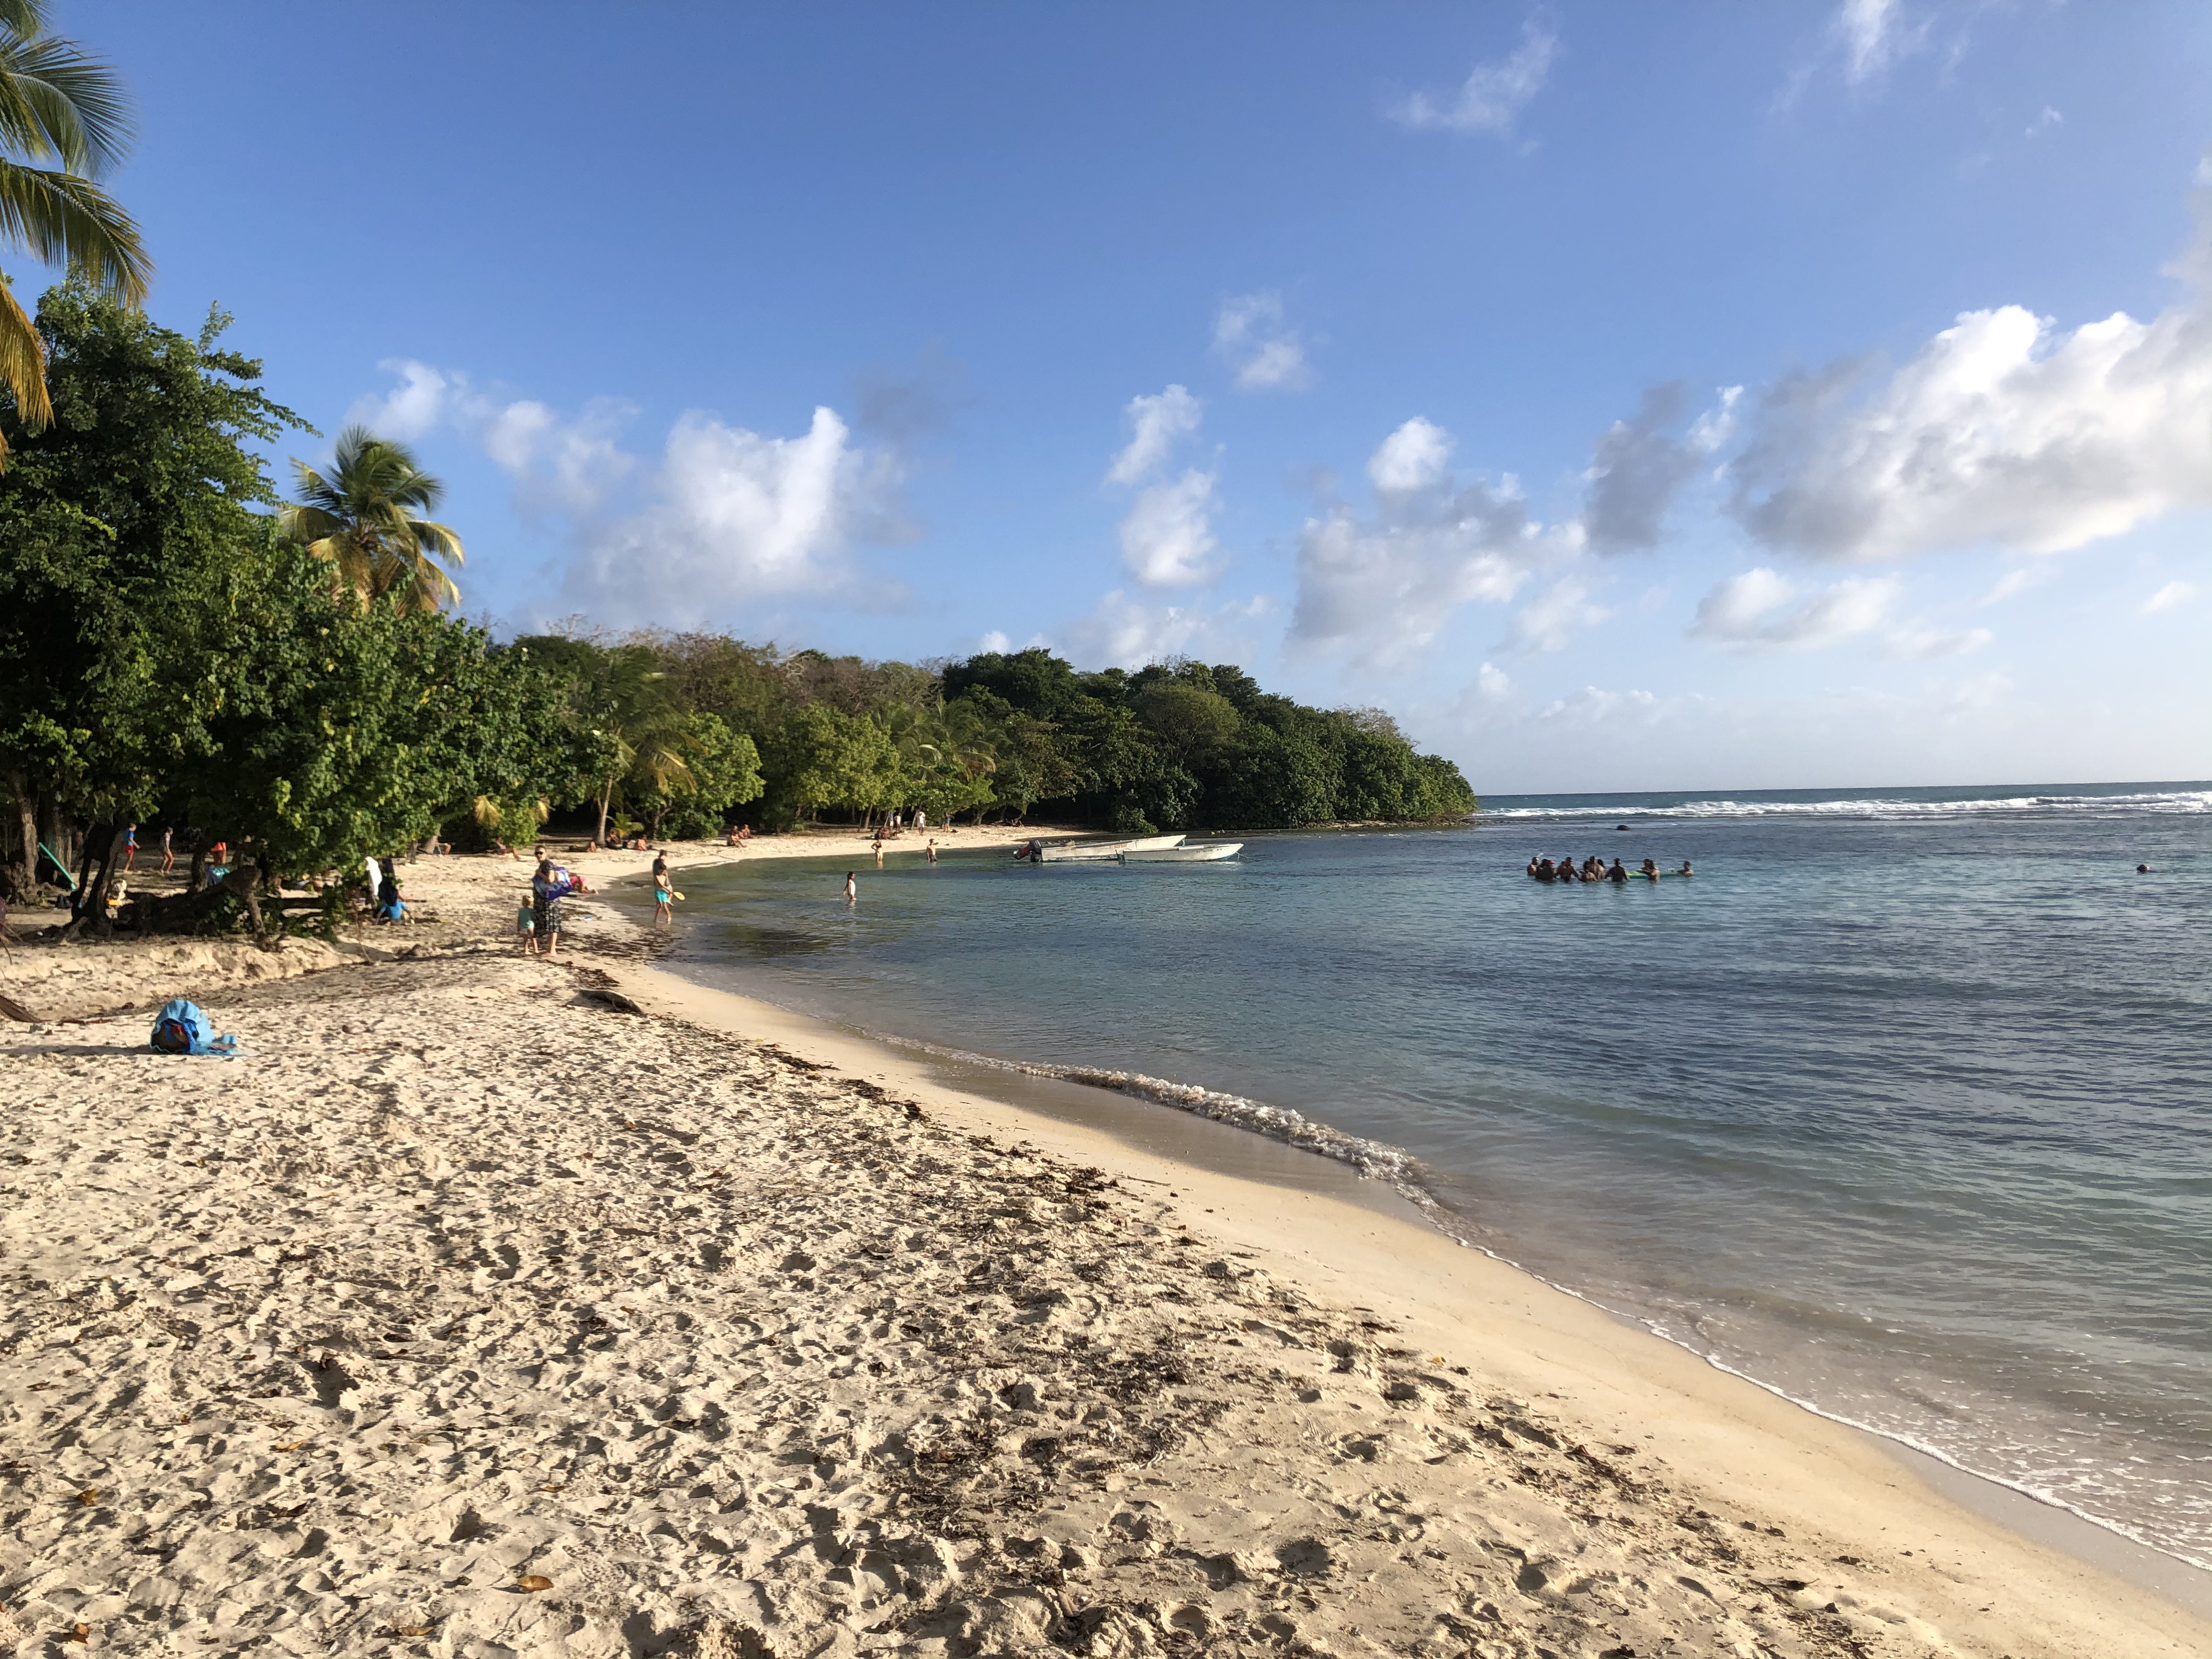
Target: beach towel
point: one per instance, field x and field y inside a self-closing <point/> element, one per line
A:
<point x="182" y="1028"/>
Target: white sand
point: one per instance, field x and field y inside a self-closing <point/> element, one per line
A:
<point x="468" y="1313"/>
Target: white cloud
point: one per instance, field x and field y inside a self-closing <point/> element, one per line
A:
<point x="1547" y="621"/>
<point x="1764" y="611"/>
<point x="1383" y="586"/>
<point x="1125" y="633"/>
<point x="1494" y="96"/>
<point x="2043" y="122"/>
<point x="1167" y="537"/>
<point x="1251" y="332"/>
<point x="1154" y="423"/>
<point x="736" y="515"/>
<point x="571" y="465"/>
<point x="2015" y="582"/>
<point x="1874" y="32"/>
<point x="994" y="643"/>
<point x="2166" y="598"/>
<point x="1640" y="464"/>
<point x="1920" y="642"/>
<point x="425" y="399"/>
<point x="2001" y="429"/>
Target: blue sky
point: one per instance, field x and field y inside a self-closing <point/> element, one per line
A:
<point x="1625" y="397"/>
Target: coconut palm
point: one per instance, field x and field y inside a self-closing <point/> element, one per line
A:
<point x="56" y="105"/>
<point x="365" y="517"/>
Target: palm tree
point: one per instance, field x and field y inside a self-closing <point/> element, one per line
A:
<point x="365" y="518"/>
<point x="643" y="733"/>
<point x="57" y="104"/>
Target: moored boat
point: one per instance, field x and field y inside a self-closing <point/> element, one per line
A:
<point x="1196" y="853"/>
<point x="1081" y="852"/>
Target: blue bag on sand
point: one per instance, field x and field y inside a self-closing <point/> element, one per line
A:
<point x="181" y="1028"/>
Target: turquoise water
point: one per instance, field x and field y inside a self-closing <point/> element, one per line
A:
<point x="1901" y="1106"/>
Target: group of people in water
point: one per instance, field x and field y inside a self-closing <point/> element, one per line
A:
<point x="1596" y="869"/>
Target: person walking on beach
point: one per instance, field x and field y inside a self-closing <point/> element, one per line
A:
<point x="130" y="846"/>
<point x="526" y="924"/>
<point x="852" y="889"/>
<point x="168" y="851"/>
<point x="547" y="889"/>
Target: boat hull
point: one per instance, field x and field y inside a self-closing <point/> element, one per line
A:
<point x="1097" y="851"/>
<point x="1208" y="853"/>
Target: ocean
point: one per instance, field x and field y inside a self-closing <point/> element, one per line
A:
<point x="1901" y="1106"/>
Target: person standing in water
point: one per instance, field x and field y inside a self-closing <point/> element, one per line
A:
<point x="931" y="851"/>
<point x="852" y="889"/>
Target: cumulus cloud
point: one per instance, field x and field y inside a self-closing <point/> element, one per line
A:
<point x="1492" y="97"/>
<point x="734" y="515"/>
<point x="426" y="398"/>
<point x="1154" y="423"/>
<point x="1125" y="633"/>
<point x="1167" y="537"/>
<point x="2166" y="598"/>
<point x="1640" y="464"/>
<point x="1762" y="610"/>
<point x="1381" y="585"/>
<point x="1548" y="621"/>
<point x="569" y="464"/>
<point x="1251" y="332"/>
<point x="2002" y="429"/>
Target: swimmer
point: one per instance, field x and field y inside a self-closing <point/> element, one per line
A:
<point x="1565" y="870"/>
<point x="852" y="889"/>
<point x="1686" y="870"/>
<point x="1619" y="873"/>
<point x="1546" y="872"/>
<point x="1534" y="861"/>
<point x="2142" y="869"/>
<point x="1650" y="871"/>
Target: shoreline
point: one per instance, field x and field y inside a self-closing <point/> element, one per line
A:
<point x="1155" y="1130"/>
<point x="1876" y="1553"/>
<point x="1389" y="1170"/>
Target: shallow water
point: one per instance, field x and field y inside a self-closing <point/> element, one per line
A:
<point x="1903" y="1105"/>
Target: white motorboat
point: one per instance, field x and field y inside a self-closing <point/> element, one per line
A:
<point x="1198" y="853"/>
<point x="1092" y="852"/>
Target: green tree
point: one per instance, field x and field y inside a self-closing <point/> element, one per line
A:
<point x="365" y="518"/>
<point x="820" y="758"/>
<point x="59" y="105"/>
<point x="721" y="770"/>
<point x="338" y="729"/>
<point x="120" y="517"/>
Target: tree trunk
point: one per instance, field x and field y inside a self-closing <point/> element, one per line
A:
<point x="95" y="900"/>
<point x="605" y="795"/>
<point x="27" y="809"/>
<point x="81" y="891"/>
<point x="192" y="877"/>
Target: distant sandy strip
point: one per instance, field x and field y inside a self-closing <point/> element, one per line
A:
<point x="488" y="1306"/>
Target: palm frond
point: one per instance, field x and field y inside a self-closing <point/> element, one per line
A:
<point x="23" y="364"/>
<point x="59" y="104"/>
<point x="23" y="17"/>
<point x="62" y="219"/>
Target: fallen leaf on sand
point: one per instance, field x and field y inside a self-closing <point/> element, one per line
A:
<point x="79" y="1633"/>
<point x="533" y="1581"/>
<point x="290" y="1446"/>
<point x="551" y="1486"/>
<point x="88" y="1497"/>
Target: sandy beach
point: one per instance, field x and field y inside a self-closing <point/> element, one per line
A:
<point x="491" y="1306"/>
